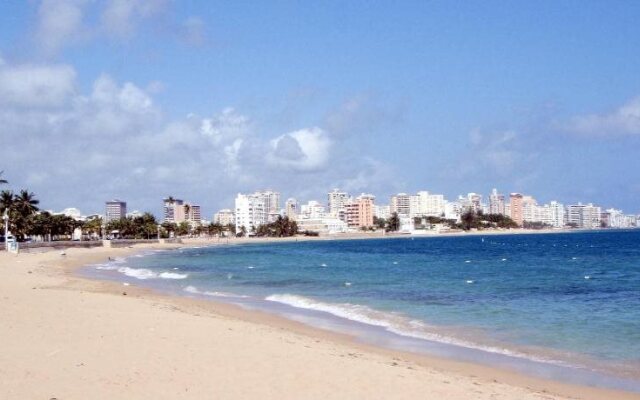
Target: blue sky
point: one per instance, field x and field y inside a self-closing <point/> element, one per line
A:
<point x="200" y="100"/>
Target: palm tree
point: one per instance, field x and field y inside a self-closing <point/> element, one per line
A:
<point x="6" y="200"/>
<point x="26" y="203"/>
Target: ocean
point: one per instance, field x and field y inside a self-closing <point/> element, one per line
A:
<point x="564" y="306"/>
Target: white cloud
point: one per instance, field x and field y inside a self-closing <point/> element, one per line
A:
<point x="302" y="150"/>
<point x="114" y="141"/>
<point x="121" y="17"/>
<point x="623" y="121"/>
<point x="224" y="126"/>
<point x="59" y="23"/>
<point x="36" y="85"/>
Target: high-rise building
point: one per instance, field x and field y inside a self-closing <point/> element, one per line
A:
<point x="172" y="210"/>
<point x="585" y="216"/>
<point x="428" y="205"/>
<point x="401" y="204"/>
<point x="530" y="210"/>
<point x="336" y="200"/>
<point x="115" y="210"/>
<point x="313" y="210"/>
<point x="381" y="211"/>
<point x="496" y="202"/>
<point x="291" y="208"/>
<point x="177" y="211"/>
<point x="251" y="212"/>
<point x="515" y="200"/>
<point x="359" y="213"/>
<point x="557" y="214"/>
<point x="192" y="214"/>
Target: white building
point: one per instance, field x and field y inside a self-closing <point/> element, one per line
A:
<point x="251" y="212"/>
<point x="383" y="212"/>
<point x="291" y="208"/>
<point x="224" y="217"/>
<point x="336" y="200"/>
<point x="313" y="210"/>
<point x="452" y="210"/>
<point x="427" y="205"/>
<point x="585" y="216"/>
<point x="324" y="225"/>
<point x="73" y="213"/>
<point x="496" y="203"/>
<point x="271" y="201"/>
<point x="401" y="204"/>
<point x="613" y="218"/>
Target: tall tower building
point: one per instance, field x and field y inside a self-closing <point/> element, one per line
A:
<point x="251" y="211"/>
<point x="336" y="201"/>
<point x="401" y="204"/>
<point x="173" y="210"/>
<point x="516" y="208"/>
<point x="115" y="210"/>
<point x="291" y="208"/>
<point x="496" y="203"/>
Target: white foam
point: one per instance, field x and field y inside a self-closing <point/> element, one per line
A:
<point x="392" y="322"/>
<point x="144" y="273"/>
<point x="470" y="281"/>
<point x="138" y="273"/>
<point x="195" y="290"/>
<point x="172" y="275"/>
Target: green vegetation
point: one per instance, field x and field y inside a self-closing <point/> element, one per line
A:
<point x="281" y="227"/>
<point x="478" y="220"/>
<point x="143" y="227"/>
<point x="20" y="208"/>
<point x="535" y="225"/>
<point x="393" y="223"/>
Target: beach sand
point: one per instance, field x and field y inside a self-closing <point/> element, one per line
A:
<point x="66" y="337"/>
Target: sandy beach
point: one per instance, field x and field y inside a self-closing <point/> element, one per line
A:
<point x="66" y="337"/>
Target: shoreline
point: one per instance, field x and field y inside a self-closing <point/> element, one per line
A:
<point x="59" y="275"/>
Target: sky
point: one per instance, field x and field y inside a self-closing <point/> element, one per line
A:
<point x="201" y="100"/>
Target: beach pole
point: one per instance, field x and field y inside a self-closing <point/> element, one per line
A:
<point x="5" y="218"/>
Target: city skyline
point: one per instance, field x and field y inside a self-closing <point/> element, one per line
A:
<point x="448" y="98"/>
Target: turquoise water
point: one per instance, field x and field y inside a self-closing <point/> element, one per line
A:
<point x="567" y="300"/>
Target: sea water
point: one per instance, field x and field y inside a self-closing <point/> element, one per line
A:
<point x="564" y="306"/>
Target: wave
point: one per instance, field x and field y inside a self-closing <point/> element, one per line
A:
<point x="172" y="275"/>
<point x="194" y="290"/>
<point x="396" y="323"/>
<point x="144" y="273"/>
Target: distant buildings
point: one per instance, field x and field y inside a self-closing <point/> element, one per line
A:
<point x="496" y="203"/>
<point x="225" y="217"/>
<point x="291" y="208"/>
<point x="177" y="211"/>
<point x="115" y="210"/>
<point x="401" y="204"/>
<point x="584" y="216"/>
<point x="336" y="200"/>
<point x="347" y="213"/>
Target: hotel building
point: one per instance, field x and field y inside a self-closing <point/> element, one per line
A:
<point x="115" y="210"/>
